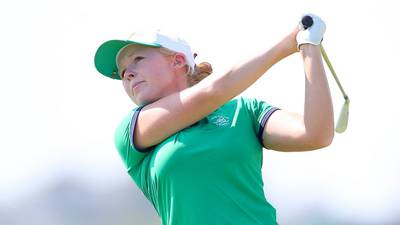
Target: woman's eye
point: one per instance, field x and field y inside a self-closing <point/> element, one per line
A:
<point x="135" y="60"/>
<point x="138" y="58"/>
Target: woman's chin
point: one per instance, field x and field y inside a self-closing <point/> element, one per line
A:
<point x="141" y="101"/>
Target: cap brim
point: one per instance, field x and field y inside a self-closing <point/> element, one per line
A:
<point x="105" y="58"/>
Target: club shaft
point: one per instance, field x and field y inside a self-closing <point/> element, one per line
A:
<point x="328" y="62"/>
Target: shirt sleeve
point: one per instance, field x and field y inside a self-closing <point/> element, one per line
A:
<point x="260" y="111"/>
<point x="130" y="154"/>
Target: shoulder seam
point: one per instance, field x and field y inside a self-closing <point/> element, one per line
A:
<point x="263" y="122"/>
<point x="132" y="130"/>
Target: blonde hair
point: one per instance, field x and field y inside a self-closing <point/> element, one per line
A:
<point x="200" y="72"/>
<point x="195" y="75"/>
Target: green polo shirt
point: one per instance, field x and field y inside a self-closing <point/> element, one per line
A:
<point x="208" y="173"/>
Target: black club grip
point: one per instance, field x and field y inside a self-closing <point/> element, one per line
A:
<point x="307" y="22"/>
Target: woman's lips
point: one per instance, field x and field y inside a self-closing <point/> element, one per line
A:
<point x="136" y="85"/>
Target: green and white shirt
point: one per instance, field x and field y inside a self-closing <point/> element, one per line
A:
<point x="208" y="173"/>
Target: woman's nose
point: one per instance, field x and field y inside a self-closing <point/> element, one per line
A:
<point x="129" y="72"/>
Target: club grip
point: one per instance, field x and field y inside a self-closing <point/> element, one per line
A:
<point x="307" y="22"/>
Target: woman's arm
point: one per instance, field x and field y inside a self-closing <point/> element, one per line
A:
<point x="287" y="131"/>
<point x="243" y="75"/>
<point x="161" y="119"/>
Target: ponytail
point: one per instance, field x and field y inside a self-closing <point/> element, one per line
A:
<point x="195" y="75"/>
<point x="200" y="72"/>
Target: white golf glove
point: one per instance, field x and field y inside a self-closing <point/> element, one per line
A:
<point x="313" y="34"/>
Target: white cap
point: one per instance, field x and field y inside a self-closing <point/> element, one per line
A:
<point x="107" y="54"/>
<point x="166" y="39"/>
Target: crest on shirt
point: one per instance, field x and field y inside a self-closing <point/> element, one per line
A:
<point x="219" y="120"/>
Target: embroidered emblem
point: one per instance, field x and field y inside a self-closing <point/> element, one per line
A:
<point x="220" y="120"/>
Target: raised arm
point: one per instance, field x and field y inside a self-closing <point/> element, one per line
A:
<point x="168" y="115"/>
<point x="288" y="131"/>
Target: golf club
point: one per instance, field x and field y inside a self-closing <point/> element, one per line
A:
<point x="341" y="124"/>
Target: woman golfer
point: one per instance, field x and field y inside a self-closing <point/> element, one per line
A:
<point x="193" y="150"/>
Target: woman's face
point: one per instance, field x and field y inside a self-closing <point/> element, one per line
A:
<point x="146" y="73"/>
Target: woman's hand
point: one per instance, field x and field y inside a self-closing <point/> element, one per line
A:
<point x="300" y="36"/>
<point x="293" y="41"/>
<point x="311" y="32"/>
<point x="289" y="44"/>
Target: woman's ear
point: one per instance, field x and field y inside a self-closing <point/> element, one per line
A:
<point x="178" y="61"/>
